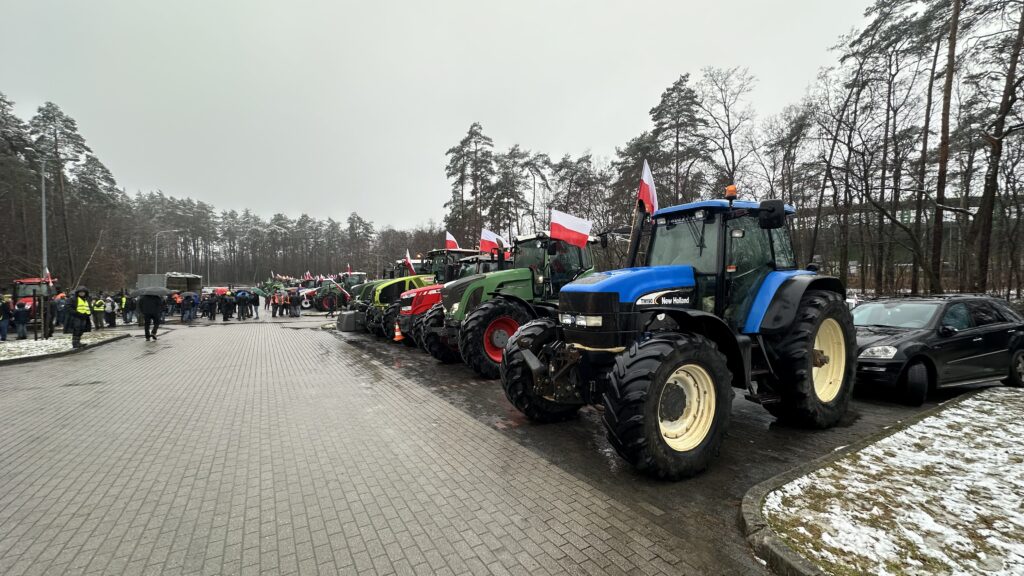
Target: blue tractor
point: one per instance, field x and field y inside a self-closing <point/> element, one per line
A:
<point x="720" y="305"/>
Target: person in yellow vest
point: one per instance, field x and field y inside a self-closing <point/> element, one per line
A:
<point x="99" y="306"/>
<point x="80" y="309"/>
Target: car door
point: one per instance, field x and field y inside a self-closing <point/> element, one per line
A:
<point x="955" y="351"/>
<point x="996" y="330"/>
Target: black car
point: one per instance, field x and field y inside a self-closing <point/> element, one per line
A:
<point x="918" y="344"/>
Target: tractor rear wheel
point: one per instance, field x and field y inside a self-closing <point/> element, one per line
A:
<point x="389" y="318"/>
<point x="815" y="362"/>
<point x="517" y="379"/>
<point x="436" y="346"/>
<point x="486" y="331"/>
<point x="668" y="404"/>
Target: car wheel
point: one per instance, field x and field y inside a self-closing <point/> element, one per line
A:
<point x="1016" y="376"/>
<point x="915" y="385"/>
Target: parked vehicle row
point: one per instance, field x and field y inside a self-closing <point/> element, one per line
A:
<point x="711" y="301"/>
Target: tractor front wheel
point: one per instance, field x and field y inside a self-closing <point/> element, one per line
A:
<point x="438" y="347"/>
<point x="486" y="331"/>
<point x="387" y="325"/>
<point x="517" y="379"/>
<point x="815" y="362"/>
<point x="668" y="404"/>
<point x="417" y="331"/>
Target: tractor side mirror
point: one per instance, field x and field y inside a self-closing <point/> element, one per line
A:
<point x="946" y="330"/>
<point x="772" y="214"/>
<point x="552" y="248"/>
<point x="604" y="240"/>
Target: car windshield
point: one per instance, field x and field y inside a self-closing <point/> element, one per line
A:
<point x="685" y="241"/>
<point x="895" y="314"/>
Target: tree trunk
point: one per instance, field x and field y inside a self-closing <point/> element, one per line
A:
<point x="923" y="171"/>
<point x="940" y="183"/>
<point x="983" y="220"/>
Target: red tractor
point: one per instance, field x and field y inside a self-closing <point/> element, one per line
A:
<point x="447" y="265"/>
<point x="27" y="289"/>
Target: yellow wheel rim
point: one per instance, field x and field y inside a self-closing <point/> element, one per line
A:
<point x="686" y="408"/>
<point x="829" y="360"/>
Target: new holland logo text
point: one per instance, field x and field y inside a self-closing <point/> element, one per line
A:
<point x="664" y="298"/>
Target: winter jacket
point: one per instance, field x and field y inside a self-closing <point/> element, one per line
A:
<point x="150" y="305"/>
<point x="80" y="305"/>
<point x="5" y="311"/>
<point x="21" y="314"/>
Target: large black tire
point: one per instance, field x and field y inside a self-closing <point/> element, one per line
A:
<point x="636" y="401"/>
<point x="390" y="316"/>
<point x="801" y="402"/>
<point x="436" y="346"/>
<point x="517" y="380"/>
<point x="915" y="384"/>
<point x="1015" y="378"/>
<point x="486" y="331"/>
<point x="368" y="320"/>
<point x="417" y="332"/>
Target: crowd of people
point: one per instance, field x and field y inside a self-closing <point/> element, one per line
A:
<point x="82" y="312"/>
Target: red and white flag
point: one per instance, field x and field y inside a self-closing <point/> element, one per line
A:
<point x="408" y="262"/>
<point x="450" y="243"/>
<point x="647" y="194"/>
<point x="348" y="268"/>
<point x="47" y="278"/>
<point x="489" y="241"/>
<point x="575" y="231"/>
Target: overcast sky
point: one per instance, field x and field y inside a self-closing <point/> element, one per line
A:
<point x="330" y="107"/>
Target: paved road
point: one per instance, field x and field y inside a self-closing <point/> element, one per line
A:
<point x="278" y="448"/>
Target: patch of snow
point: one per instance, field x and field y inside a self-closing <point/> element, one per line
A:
<point x="944" y="496"/>
<point x="13" y="348"/>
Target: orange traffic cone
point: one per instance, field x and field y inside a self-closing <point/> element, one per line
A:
<point x="398" y="333"/>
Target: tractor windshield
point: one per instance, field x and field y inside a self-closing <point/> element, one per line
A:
<point x="29" y="290"/>
<point x="685" y="240"/>
<point x="439" y="267"/>
<point x="530" y="254"/>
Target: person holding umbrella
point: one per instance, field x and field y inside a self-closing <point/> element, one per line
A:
<point x="150" y="304"/>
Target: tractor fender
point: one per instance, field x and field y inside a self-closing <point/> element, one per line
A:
<point x="514" y="298"/>
<point x="783" y="297"/>
<point x="735" y="347"/>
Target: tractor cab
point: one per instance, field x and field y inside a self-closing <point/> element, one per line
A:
<point x="731" y="248"/>
<point x="476" y="264"/>
<point x="352" y="279"/>
<point x="553" y="263"/>
<point x="445" y="264"/>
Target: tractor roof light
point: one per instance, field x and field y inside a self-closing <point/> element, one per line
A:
<point x="730" y="192"/>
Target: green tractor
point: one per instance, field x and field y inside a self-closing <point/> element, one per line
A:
<point x="379" y="316"/>
<point x="479" y="313"/>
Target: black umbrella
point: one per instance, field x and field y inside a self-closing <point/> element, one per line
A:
<point x="154" y="291"/>
<point x="189" y="294"/>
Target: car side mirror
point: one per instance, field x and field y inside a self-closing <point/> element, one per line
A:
<point x="947" y="330"/>
<point x="772" y="214"/>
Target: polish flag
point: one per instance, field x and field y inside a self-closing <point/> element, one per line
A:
<point x="348" y="268"/>
<point x="489" y="241"/>
<point x="449" y="241"/>
<point x="408" y="262"/>
<point x="575" y="231"/>
<point x="647" y="194"/>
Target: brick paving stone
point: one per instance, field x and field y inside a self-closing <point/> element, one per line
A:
<point x="255" y="449"/>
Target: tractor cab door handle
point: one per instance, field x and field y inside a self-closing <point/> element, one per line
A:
<point x="978" y="339"/>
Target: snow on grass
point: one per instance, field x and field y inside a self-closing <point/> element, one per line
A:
<point x="13" y="348"/>
<point x="944" y="496"/>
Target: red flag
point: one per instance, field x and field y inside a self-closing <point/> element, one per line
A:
<point x="449" y="241"/>
<point x="489" y="241"/>
<point x="647" y="194"/>
<point x="575" y="231"/>
<point x="408" y="262"/>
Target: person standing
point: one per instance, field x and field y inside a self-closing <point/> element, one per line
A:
<point x="331" y="303"/>
<point x="21" y="314"/>
<point x="6" y="317"/>
<point x="254" y="298"/>
<point x="99" y="307"/>
<point x="275" y="304"/>
<point x="54" y="309"/>
<point x="151" y="307"/>
<point x="110" y="311"/>
<point x="296" y="304"/>
<point x="79" y="312"/>
<point x="129" y="309"/>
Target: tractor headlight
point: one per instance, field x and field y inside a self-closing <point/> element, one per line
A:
<point x="581" y="321"/>
<point x="405" y="309"/>
<point x="434" y="291"/>
<point x="455" y="308"/>
<point x="879" y="353"/>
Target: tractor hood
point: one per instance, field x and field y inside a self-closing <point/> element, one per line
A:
<point x="412" y="293"/>
<point x="632" y="283"/>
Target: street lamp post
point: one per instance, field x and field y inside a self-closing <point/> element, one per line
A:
<point x="156" y="249"/>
